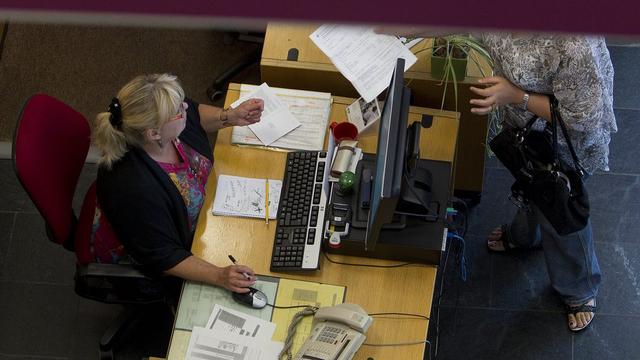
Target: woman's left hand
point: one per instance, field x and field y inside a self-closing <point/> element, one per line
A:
<point x="246" y="113"/>
<point x="499" y="91"/>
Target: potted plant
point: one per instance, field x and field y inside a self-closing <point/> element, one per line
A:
<point x="449" y="58"/>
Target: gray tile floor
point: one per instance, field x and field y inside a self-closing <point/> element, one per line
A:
<point x="505" y="310"/>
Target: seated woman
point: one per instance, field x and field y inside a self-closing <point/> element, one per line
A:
<point x="156" y="158"/>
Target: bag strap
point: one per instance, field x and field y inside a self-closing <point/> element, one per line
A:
<point x="556" y="119"/>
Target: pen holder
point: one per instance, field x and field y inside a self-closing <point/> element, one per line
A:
<point x="346" y="149"/>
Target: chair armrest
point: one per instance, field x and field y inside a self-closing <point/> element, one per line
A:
<point x="118" y="284"/>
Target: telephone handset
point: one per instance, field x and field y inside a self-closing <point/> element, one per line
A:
<point x="337" y="333"/>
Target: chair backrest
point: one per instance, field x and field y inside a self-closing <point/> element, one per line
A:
<point x="50" y="146"/>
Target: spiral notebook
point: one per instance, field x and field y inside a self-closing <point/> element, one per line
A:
<point x="246" y="197"/>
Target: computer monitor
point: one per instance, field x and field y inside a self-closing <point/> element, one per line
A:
<point x="387" y="182"/>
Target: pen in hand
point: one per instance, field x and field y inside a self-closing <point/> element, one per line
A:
<point x="233" y="260"/>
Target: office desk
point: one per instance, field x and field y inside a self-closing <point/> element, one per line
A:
<point x="314" y="71"/>
<point x="404" y="289"/>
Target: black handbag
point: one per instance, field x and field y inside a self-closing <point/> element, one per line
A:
<point x="541" y="177"/>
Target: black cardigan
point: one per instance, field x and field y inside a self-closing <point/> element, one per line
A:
<point x="145" y="208"/>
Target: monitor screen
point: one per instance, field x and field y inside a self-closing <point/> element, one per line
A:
<point x="387" y="182"/>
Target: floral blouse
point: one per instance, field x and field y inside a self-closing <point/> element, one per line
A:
<point x="577" y="70"/>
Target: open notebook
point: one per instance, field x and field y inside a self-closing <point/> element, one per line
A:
<point x="241" y="196"/>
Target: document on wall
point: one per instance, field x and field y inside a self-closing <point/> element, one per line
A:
<point x="276" y="120"/>
<point x="310" y="108"/>
<point x="365" y="58"/>
<point x="246" y="197"/>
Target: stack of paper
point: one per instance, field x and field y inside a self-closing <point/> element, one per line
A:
<point x="365" y="58"/>
<point x="310" y="108"/>
<point x="246" y="197"/>
<point x="231" y="334"/>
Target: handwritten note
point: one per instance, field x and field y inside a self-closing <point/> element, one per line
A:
<point x="241" y="196"/>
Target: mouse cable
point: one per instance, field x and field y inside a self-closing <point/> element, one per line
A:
<point x="289" y="307"/>
<point x="401" y="314"/>
<point x="373" y="265"/>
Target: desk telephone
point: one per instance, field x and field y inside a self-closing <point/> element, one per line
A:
<point x="337" y="333"/>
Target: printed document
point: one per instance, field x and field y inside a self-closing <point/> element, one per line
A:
<point x="365" y="58"/>
<point x="310" y="108"/>
<point x="276" y="120"/>
<point x="206" y="344"/>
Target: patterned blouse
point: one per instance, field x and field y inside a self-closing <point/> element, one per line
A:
<point x="578" y="71"/>
<point x="189" y="176"/>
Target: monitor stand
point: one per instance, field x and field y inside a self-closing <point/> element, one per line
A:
<point x="408" y="238"/>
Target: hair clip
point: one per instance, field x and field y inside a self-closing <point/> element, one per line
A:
<point x="116" y="113"/>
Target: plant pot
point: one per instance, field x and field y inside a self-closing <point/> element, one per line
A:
<point x="438" y="67"/>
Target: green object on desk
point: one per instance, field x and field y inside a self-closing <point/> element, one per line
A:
<point x="346" y="181"/>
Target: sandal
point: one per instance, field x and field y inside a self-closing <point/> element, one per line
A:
<point x="492" y="245"/>
<point x="584" y="308"/>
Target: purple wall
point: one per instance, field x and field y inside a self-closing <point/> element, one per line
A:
<point x="590" y="16"/>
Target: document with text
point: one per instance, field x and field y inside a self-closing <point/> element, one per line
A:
<point x="276" y="120"/>
<point x="365" y="58"/>
<point x="310" y="108"/>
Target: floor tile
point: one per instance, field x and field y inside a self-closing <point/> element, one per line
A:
<point x="36" y="319"/>
<point x="609" y="337"/>
<point x="6" y="230"/>
<point x="150" y="336"/>
<point x="12" y="197"/>
<point x="615" y="205"/>
<point x="619" y="293"/>
<point x="476" y="291"/>
<point x="625" y="147"/>
<point x="33" y="257"/>
<point x="520" y="281"/>
<point x="627" y="76"/>
<point x="497" y="334"/>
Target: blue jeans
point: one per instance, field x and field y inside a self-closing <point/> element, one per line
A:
<point x="571" y="259"/>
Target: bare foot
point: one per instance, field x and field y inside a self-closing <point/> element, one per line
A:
<point x="581" y="319"/>
<point x="494" y="240"/>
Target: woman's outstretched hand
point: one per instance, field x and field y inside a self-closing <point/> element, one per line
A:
<point x="247" y="113"/>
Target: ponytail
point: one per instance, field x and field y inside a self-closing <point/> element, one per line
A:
<point x="146" y="102"/>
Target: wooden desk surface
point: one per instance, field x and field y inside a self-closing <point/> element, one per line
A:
<point x="282" y="37"/>
<point x="404" y="289"/>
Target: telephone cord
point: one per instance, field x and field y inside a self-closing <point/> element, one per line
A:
<point x="291" y="331"/>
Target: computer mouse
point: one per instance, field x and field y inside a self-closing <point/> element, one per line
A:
<point x="254" y="298"/>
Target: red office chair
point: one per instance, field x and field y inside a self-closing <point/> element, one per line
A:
<point x="50" y="146"/>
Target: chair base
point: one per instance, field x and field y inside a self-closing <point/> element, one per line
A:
<point x="125" y="320"/>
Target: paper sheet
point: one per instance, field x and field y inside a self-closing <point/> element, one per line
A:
<point x="310" y="108"/>
<point x="205" y="344"/>
<point x="276" y="119"/>
<point x="365" y="58"/>
<point x="198" y="299"/>
<point x="294" y="292"/>
<point x="238" y="324"/>
<point x="246" y="197"/>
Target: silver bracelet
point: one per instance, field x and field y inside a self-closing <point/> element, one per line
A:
<point x="525" y="101"/>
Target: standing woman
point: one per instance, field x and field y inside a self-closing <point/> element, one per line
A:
<point x="576" y="70"/>
<point x="156" y="158"/>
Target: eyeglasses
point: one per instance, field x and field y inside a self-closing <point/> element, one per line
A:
<point x="181" y="112"/>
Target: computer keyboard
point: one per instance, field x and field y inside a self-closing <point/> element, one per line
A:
<point x="301" y="213"/>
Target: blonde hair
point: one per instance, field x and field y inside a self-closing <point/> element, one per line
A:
<point x="146" y="102"/>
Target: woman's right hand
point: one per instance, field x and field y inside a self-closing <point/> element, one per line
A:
<point x="232" y="278"/>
